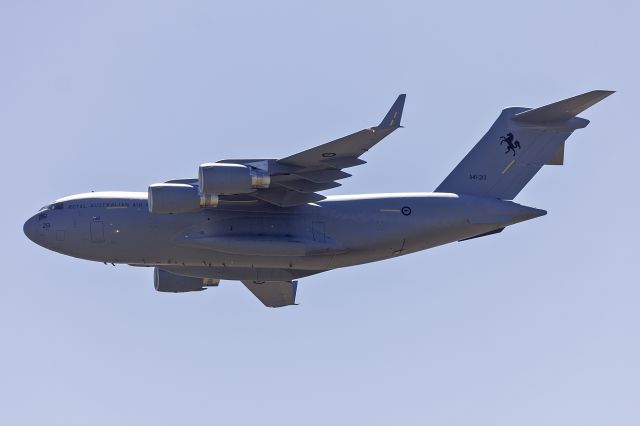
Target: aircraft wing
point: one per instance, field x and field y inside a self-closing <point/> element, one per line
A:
<point x="274" y="294"/>
<point x="345" y="152"/>
<point x="298" y="178"/>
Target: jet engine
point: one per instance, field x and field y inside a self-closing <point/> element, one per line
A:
<point x="168" y="198"/>
<point x="230" y="179"/>
<point x="171" y="283"/>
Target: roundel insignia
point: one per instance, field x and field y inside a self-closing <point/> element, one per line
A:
<point x="328" y="154"/>
<point x="406" y="210"/>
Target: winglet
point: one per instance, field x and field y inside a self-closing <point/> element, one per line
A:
<point x="562" y="110"/>
<point x="393" y="117"/>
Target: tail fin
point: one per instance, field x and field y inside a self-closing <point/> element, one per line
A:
<point x="518" y="144"/>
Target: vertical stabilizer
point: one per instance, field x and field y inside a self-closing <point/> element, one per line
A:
<point x="518" y="144"/>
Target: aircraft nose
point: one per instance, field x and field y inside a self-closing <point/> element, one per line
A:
<point x="29" y="229"/>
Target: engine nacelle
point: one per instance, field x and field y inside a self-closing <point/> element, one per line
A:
<point x="230" y="179"/>
<point x="171" y="283"/>
<point x="168" y="198"/>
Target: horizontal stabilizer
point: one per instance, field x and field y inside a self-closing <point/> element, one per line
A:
<point x="562" y="110"/>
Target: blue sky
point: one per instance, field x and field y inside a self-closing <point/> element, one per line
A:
<point x="537" y="325"/>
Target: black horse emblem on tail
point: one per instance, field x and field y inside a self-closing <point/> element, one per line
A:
<point x="511" y="144"/>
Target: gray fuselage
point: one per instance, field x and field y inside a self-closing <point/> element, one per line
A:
<point x="254" y="241"/>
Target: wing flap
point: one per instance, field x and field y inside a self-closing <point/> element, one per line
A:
<point x="323" y="176"/>
<point x="303" y="185"/>
<point x="286" y="198"/>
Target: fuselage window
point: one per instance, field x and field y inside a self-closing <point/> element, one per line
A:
<point x="56" y="206"/>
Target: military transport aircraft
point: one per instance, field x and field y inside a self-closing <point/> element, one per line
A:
<point x="265" y="223"/>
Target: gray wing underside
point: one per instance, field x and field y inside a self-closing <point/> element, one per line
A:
<point x="274" y="294"/>
<point x="298" y="178"/>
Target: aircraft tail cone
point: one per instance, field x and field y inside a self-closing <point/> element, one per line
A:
<point x="527" y="213"/>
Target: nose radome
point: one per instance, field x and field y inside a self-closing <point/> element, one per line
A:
<point x="29" y="229"/>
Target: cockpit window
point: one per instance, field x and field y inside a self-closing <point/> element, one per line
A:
<point x="56" y="206"/>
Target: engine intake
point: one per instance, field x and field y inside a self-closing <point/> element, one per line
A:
<point x="169" y="198"/>
<point x="167" y="282"/>
<point x="230" y="179"/>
